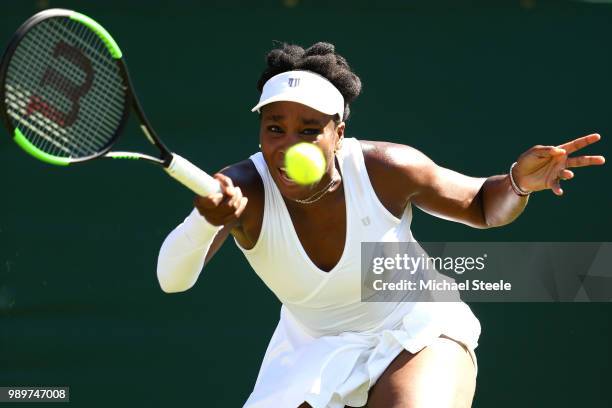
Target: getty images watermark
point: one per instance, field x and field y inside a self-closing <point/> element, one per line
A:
<point x="486" y="271"/>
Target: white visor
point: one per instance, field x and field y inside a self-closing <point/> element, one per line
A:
<point x="303" y="87"/>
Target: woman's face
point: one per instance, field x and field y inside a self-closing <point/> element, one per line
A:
<point x="284" y="124"/>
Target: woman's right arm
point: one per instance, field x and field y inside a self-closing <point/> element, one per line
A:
<point x="186" y="249"/>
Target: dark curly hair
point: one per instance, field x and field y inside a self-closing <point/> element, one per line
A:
<point x="320" y="58"/>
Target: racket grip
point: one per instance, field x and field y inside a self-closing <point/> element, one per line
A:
<point x="192" y="176"/>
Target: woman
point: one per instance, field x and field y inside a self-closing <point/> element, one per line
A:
<point x="329" y="348"/>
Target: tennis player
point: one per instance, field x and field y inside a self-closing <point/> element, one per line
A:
<point x="329" y="348"/>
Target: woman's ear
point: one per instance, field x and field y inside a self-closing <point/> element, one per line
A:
<point x="340" y="134"/>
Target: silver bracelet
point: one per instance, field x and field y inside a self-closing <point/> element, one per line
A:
<point x="515" y="187"/>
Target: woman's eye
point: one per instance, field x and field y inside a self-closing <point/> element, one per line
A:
<point x="274" y="129"/>
<point x="311" y="132"/>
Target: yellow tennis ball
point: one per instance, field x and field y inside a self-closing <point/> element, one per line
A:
<point x="305" y="163"/>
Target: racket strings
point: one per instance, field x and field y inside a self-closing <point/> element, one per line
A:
<point x="25" y="66"/>
<point x="39" y="108"/>
<point x="25" y="101"/>
<point x="58" y="98"/>
<point x="42" y="127"/>
<point x="109" y="69"/>
<point x="85" y="38"/>
<point x="39" y="132"/>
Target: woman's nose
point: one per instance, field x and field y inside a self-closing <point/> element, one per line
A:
<point x="291" y="139"/>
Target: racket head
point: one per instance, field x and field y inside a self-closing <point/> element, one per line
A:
<point x="65" y="94"/>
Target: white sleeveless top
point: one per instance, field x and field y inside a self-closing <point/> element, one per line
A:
<point x="324" y="305"/>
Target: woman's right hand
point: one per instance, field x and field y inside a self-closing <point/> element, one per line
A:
<point x="222" y="208"/>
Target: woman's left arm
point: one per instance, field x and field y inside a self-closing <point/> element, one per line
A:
<point x="478" y="202"/>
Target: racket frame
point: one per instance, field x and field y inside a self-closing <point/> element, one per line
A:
<point x="131" y="100"/>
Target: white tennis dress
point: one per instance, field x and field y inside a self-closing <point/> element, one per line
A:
<point x="329" y="348"/>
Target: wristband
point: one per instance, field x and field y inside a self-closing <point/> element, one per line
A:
<point x="519" y="191"/>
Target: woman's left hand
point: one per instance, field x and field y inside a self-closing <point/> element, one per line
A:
<point x="543" y="167"/>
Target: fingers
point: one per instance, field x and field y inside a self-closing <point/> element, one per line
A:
<point x="580" y="143"/>
<point x="543" y="167"/>
<point x="566" y="175"/>
<point x="556" y="173"/>
<point x="544" y="152"/>
<point x="213" y="200"/>
<point x="225" y="207"/>
<point x="556" y="188"/>
<point x="583" y="161"/>
<point x="227" y="186"/>
<point x="238" y="209"/>
<point x="570" y="147"/>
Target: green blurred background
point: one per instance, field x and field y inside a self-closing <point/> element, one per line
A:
<point x="472" y="85"/>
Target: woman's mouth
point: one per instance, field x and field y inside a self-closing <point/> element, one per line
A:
<point x="285" y="177"/>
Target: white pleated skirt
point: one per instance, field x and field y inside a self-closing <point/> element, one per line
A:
<point x="332" y="371"/>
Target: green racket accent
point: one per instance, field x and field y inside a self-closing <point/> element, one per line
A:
<point x="110" y="43"/>
<point x="25" y="144"/>
<point x="124" y="157"/>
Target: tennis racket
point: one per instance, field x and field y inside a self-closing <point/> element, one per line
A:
<point x="65" y="96"/>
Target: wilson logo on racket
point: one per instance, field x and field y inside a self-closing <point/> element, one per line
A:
<point x="57" y="80"/>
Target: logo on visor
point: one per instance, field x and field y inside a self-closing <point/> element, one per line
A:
<point x="293" y="82"/>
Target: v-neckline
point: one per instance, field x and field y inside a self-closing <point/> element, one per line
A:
<point x="296" y="237"/>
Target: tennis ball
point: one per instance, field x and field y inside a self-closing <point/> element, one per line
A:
<point x="305" y="163"/>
